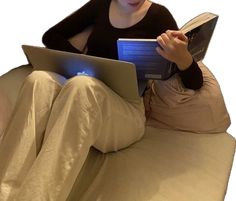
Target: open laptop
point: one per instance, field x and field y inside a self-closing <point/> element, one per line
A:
<point x="120" y="76"/>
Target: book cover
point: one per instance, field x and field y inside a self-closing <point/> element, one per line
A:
<point x="151" y="65"/>
<point x="199" y="31"/>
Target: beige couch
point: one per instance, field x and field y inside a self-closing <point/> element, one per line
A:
<point x="185" y="155"/>
<point x="173" y="162"/>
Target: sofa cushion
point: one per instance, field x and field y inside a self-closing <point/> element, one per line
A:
<point x="5" y="110"/>
<point x="165" y="165"/>
<point x="172" y="106"/>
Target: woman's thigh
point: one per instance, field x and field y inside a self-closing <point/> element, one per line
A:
<point x="122" y="122"/>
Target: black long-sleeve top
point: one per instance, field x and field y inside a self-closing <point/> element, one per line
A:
<point x="102" y="40"/>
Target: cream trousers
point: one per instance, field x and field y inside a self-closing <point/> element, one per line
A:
<point x="53" y="126"/>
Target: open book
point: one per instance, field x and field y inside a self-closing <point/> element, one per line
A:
<point x="150" y="65"/>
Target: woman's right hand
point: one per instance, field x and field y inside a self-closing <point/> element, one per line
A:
<point x="174" y="47"/>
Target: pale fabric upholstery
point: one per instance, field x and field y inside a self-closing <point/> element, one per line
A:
<point x="166" y="165"/>
<point x="170" y="105"/>
<point x="5" y="110"/>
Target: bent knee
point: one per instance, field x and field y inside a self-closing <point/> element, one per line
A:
<point x="45" y="77"/>
<point x="85" y="83"/>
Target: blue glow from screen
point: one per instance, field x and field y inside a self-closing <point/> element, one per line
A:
<point x="79" y="68"/>
<point x="85" y="73"/>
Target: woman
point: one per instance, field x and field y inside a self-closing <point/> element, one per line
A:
<point x="56" y="121"/>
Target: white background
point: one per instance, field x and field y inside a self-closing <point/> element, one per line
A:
<point x="24" y="22"/>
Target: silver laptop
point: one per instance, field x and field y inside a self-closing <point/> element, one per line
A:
<point x="118" y="75"/>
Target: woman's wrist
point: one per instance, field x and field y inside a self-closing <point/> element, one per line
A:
<point x="184" y="64"/>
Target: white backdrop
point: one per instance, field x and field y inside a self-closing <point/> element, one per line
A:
<point x="24" y="22"/>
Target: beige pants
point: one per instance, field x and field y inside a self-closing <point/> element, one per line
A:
<point x="52" y="129"/>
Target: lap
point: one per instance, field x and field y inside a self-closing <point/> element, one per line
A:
<point x="123" y="121"/>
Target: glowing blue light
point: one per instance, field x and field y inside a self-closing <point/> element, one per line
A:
<point x="86" y="72"/>
<point x="82" y="73"/>
<point x="79" y="68"/>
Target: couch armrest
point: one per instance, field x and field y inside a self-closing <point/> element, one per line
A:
<point x="170" y="105"/>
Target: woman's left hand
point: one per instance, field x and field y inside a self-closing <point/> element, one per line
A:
<point x="174" y="47"/>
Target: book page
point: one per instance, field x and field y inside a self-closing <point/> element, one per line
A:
<point x="197" y="21"/>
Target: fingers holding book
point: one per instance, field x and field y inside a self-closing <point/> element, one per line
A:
<point x="174" y="47"/>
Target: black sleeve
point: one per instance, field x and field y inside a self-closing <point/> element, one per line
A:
<point x="57" y="36"/>
<point x="192" y="77"/>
